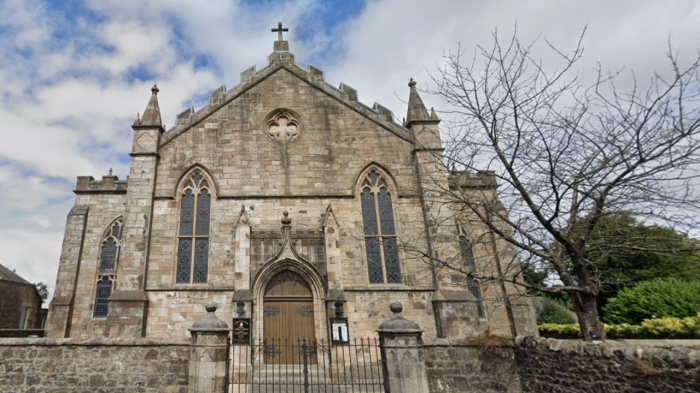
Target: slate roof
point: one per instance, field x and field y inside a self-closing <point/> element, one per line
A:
<point x="8" y="275"/>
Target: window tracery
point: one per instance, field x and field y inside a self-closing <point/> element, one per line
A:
<point x="193" y="236"/>
<point x="107" y="269"/>
<point x="283" y="125"/>
<point x="379" y="230"/>
<point x="469" y="264"/>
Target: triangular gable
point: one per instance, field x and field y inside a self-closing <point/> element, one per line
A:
<point x="250" y="78"/>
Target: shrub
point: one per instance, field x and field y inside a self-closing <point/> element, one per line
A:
<point x="557" y="330"/>
<point x="654" y="299"/>
<point x="658" y="328"/>
<point x="552" y="311"/>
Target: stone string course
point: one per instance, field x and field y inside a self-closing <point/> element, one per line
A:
<point x="98" y="365"/>
<point x="571" y="366"/>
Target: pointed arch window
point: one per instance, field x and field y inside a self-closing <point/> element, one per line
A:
<point x="379" y="230"/>
<point x="107" y="269"/>
<point x="469" y="264"/>
<point x="193" y="237"/>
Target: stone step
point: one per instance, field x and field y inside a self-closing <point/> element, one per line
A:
<point x="288" y="388"/>
<point x="290" y="379"/>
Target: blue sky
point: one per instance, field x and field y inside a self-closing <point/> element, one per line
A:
<point x="73" y="74"/>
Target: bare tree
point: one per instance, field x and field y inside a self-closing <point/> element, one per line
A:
<point x="567" y="154"/>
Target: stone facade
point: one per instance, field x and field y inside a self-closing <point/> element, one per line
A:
<point x="571" y="366"/>
<point x="281" y="145"/>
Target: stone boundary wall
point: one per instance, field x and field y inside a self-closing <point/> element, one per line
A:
<point x="49" y="365"/>
<point x="572" y="366"/>
<point x="470" y="368"/>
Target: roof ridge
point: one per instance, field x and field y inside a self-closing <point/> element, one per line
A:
<point x="8" y="275"/>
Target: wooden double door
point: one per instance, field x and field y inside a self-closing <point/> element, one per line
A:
<point x="288" y="319"/>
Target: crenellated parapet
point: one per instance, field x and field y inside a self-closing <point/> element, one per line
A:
<point x="109" y="184"/>
<point x="282" y="59"/>
<point x="468" y="180"/>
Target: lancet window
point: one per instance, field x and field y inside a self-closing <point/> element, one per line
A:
<point x="107" y="269"/>
<point x="379" y="230"/>
<point x="469" y="265"/>
<point x="193" y="235"/>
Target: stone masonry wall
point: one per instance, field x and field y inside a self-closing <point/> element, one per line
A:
<point x="571" y="366"/>
<point x="97" y="365"/>
<point x="469" y="368"/>
<point x="13" y="298"/>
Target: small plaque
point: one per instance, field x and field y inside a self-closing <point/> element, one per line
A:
<point x="241" y="331"/>
<point x="339" y="331"/>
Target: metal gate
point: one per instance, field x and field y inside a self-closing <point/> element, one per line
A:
<point x="312" y="367"/>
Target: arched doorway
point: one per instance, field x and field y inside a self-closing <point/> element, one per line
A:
<point x="288" y="315"/>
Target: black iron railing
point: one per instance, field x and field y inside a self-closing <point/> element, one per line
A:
<point x="315" y="366"/>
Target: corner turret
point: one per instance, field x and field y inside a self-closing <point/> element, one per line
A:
<point x="423" y="125"/>
<point x="149" y="127"/>
<point x="416" y="108"/>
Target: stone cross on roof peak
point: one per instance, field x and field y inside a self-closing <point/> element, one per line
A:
<point x="279" y="31"/>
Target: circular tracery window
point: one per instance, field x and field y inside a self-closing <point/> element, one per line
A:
<point x="282" y="125"/>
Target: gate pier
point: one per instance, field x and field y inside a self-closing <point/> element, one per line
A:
<point x="208" y="353"/>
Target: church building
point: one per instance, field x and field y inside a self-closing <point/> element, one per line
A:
<point x="297" y="209"/>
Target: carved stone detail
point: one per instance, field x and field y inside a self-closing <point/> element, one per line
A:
<point x="283" y="125"/>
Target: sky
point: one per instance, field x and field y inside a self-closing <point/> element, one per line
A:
<point x="73" y="74"/>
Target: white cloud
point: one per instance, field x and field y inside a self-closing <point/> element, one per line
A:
<point x="66" y="103"/>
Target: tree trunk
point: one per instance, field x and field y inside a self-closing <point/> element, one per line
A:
<point x="586" y="309"/>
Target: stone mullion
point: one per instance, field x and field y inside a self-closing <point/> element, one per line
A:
<point x="380" y="238"/>
<point x="193" y="252"/>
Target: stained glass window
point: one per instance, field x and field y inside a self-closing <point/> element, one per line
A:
<point x="106" y="270"/>
<point x="193" y="243"/>
<point x="184" y="257"/>
<point x="104" y="290"/>
<point x="380" y="232"/>
<point x="469" y="264"/>
<point x="109" y="255"/>
<point x="187" y="213"/>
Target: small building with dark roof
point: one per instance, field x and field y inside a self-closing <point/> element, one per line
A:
<point x="20" y="305"/>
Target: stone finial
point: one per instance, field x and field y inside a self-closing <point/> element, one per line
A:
<point x="210" y="323"/>
<point x="137" y="121"/>
<point x="151" y="116"/>
<point x="280" y="45"/>
<point x="110" y="172"/>
<point x="433" y="115"/>
<point x="397" y="323"/>
<point x="286" y="221"/>
<point x="416" y="108"/>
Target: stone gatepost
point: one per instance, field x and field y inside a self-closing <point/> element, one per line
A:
<point x="402" y="354"/>
<point x="208" y="353"/>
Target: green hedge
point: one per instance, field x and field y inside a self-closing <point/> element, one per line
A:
<point x="553" y="311"/>
<point x="657" y="328"/>
<point x="654" y="299"/>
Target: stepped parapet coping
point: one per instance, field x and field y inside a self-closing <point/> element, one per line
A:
<point x="312" y="75"/>
<point x="108" y="185"/>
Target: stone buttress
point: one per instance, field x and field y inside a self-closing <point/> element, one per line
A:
<point x="128" y="303"/>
